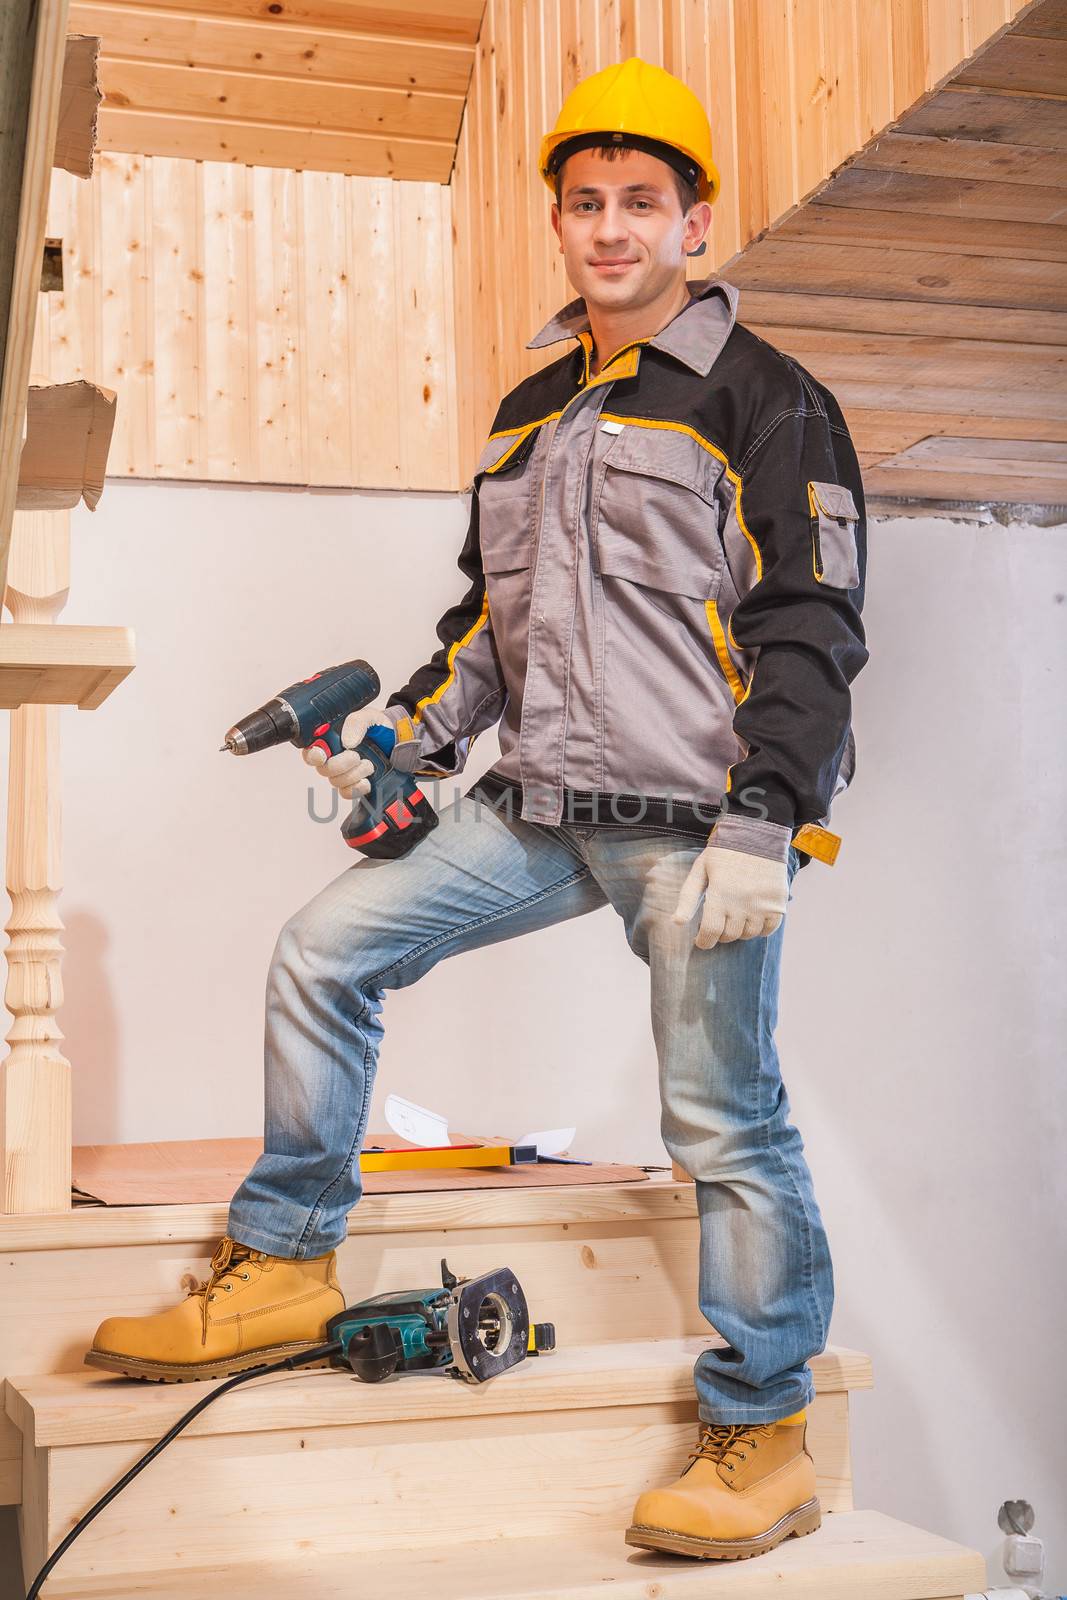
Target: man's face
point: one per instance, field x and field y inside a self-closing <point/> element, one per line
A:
<point x="624" y="209"/>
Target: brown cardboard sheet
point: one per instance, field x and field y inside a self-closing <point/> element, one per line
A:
<point x="207" y="1171"/>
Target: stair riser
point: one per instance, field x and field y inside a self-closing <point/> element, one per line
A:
<point x="387" y="1486"/>
<point x="633" y="1279"/>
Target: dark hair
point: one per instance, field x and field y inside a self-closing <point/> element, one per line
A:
<point x="688" y="194"/>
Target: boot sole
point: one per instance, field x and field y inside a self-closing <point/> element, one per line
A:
<point x="192" y="1372"/>
<point x="796" y="1523"/>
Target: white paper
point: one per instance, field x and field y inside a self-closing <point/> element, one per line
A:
<point x="415" y="1123"/>
<point x="552" y="1143"/>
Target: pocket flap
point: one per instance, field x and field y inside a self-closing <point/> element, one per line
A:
<point x="505" y="450"/>
<point x="836" y="500"/>
<point x="508" y="550"/>
<point x="666" y="453"/>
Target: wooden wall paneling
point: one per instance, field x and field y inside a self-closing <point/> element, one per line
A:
<point x="540" y="237"/>
<point x="328" y="353"/>
<point x="126" y="320"/>
<point x="279" y="369"/>
<point x="776" y="99"/>
<point x="874" y="85"/>
<point x="909" y="53"/>
<point x="490" y="317"/>
<point x="724" y="235"/>
<point x="375" y="379"/>
<point x="229" y="447"/>
<point x="177" y="273"/>
<point x="424" y="240"/>
<point x="842" y="79"/>
<point x="462" y="289"/>
<point x="558" y="290"/>
<point x="809" y="43"/>
<point x="752" y="132"/>
<point x="508" y="208"/>
<point x="947" y="38"/>
<point x="449" y="415"/>
<point x="961" y="197"/>
<point x="74" y="314"/>
<point x="986" y="16"/>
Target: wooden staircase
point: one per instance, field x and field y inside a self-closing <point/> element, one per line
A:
<point x="311" y="1483"/>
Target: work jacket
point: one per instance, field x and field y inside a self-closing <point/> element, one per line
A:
<point x="665" y="565"/>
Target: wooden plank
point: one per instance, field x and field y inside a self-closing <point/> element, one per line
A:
<point x="960" y="197"/>
<point x="74" y="313"/>
<point x="373" y="317"/>
<point x="1048" y="20"/>
<point x="973" y="363"/>
<point x="97" y="1227"/>
<point x="177" y="270"/>
<point x="61" y="664"/>
<point x="79" y="102"/>
<point x="280" y="396"/>
<point x="765" y="309"/>
<point x="424" y="241"/>
<point x="329" y="356"/>
<point x="229" y="97"/>
<point x="1022" y="64"/>
<point x="784" y="266"/>
<point x="32" y="44"/>
<point x="72" y="1408"/>
<point x="126" y="315"/>
<point x="884" y="432"/>
<point x="143" y="33"/>
<point x="903" y="230"/>
<point x="964" y="158"/>
<point x="986" y="114"/>
<point x="853" y="1553"/>
<point x="964" y="487"/>
<point x="227" y="438"/>
<point x="448" y="21"/>
<point x="262" y="144"/>
<point x="64" y="459"/>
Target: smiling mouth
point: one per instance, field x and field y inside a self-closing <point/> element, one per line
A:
<point x="613" y="263"/>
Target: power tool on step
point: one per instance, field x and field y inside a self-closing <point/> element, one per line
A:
<point x="475" y="1328"/>
<point x="395" y="814"/>
<point x="472" y="1328"/>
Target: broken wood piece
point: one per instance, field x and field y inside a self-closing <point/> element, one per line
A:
<point x="64" y="458"/>
<point x="78" y="106"/>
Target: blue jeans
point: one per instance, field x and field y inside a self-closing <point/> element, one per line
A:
<point x="766" y="1280"/>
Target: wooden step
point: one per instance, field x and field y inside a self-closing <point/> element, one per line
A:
<point x="559" y="1447"/>
<point x="854" y="1555"/>
<point x="604" y="1262"/>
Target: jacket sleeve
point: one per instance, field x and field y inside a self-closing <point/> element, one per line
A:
<point x="800" y="507"/>
<point x="460" y="691"/>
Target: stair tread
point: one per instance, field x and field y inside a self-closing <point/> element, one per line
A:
<point x="853" y="1553"/>
<point x="71" y="1408"/>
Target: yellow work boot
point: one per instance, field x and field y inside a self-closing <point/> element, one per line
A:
<point x="253" y="1307"/>
<point x="747" y="1487"/>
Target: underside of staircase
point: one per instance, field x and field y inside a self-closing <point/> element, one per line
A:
<point x="312" y="1483"/>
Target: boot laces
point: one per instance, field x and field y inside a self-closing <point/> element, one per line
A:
<point x="229" y="1259"/>
<point x="721" y="1439"/>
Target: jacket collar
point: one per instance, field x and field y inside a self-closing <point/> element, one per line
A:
<point x="695" y="335"/>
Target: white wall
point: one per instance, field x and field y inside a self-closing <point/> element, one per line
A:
<point x="922" y="1018"/>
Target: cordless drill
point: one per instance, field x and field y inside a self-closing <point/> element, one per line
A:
<point x="395" y="814"/>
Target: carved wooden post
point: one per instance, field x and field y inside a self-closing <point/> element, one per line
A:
<point x="35" y="1100"/>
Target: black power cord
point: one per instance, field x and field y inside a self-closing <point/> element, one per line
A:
<point x="288" y="1363"/>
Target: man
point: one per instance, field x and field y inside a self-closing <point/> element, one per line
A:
<point x="665" y="562"/>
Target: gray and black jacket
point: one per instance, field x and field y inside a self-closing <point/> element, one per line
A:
<point x="665" y="566"/>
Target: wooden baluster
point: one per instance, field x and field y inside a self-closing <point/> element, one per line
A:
<point x="35" y="1100"/>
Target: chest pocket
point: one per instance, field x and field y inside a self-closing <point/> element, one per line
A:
<point x="656" y="517"/>
<point x="507" y="485"/>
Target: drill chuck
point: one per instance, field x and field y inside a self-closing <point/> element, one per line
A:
<point x="270" y="725"/>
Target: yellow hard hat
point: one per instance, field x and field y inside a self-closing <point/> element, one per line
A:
<point x="639" y="104"/>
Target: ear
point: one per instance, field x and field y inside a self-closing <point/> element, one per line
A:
<point x="697" y="224"/>
<point x="556" y="222"/>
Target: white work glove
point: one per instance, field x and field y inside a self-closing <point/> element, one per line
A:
<point x="745" y="896"/>
<point x="349" y="772"/>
